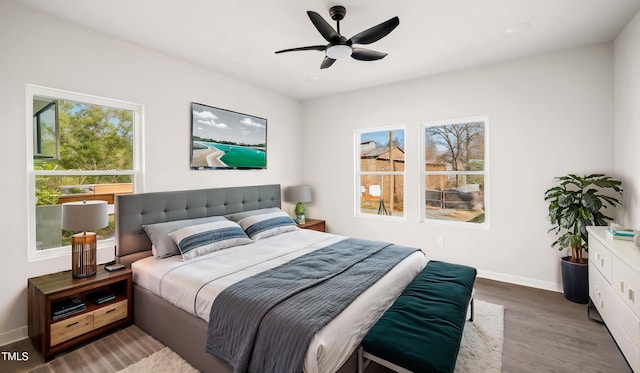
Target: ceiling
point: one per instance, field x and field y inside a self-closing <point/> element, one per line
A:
<point x="238" y="38"/>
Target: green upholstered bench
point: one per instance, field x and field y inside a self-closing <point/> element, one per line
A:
<point x="422" y="330"/>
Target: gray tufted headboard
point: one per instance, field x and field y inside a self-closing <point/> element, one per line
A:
<point x="134" y="210"/>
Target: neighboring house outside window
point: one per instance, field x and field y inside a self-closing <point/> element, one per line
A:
<point x="455" y="172"/>
<point x="380" y="171"/>
<point x="81" y="147"/>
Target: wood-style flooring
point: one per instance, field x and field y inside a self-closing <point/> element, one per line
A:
<point x="543" y="333"/>
<point x="546" y="333"/>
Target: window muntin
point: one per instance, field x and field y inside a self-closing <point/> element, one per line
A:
<point x="97" y="156"/>
<point x="455" y="170"/>
<point x="380" y="172"/>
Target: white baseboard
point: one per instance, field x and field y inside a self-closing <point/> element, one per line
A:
<point x="13" y="335"/>
<point x="518" y="280"/>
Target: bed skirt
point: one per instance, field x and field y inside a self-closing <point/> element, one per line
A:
<point x="186" y="334"/>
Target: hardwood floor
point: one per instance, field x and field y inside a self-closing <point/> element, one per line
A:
<point x="546" y="333"/>
<point x="543" y="333"/>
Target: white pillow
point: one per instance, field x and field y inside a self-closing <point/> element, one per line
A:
<point x="196" y="240"/>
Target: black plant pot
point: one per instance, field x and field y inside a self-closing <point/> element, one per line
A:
<point x="575" y="281"/>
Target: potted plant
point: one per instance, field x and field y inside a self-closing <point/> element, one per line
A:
<point x="576" y="202"/>
<point x="300" y="211"/>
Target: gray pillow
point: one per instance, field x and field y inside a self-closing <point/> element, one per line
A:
<point x="159" y="234"/>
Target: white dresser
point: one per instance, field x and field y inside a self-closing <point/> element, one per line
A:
<point x="614" y="288"/>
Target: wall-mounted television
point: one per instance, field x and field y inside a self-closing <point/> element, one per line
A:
<point x="225" y="139"/>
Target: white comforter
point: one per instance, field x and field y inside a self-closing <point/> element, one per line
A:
<point x="193" y="285"/>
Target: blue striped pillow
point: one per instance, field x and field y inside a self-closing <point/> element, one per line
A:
<point x="196" y="240"/>
<point x="267" y="224"/>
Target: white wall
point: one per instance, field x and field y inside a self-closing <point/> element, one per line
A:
<point x="38" y="49"/>
<point x="627" y="118"/>
<point x="548" y="116"/>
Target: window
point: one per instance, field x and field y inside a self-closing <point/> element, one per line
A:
<point x="80" y="147"/>
<point x="380" y="172"/>
<point x="455" y="171"/>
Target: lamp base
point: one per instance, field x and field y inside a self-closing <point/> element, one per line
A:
<point x="83" y="255"/>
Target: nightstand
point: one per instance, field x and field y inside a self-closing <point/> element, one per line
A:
<point x="313" y="224"/>
<point x="53" y="331"/>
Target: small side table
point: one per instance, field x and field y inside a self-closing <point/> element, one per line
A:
<point x="52" y="334"/>
<point x="314" y="224"/>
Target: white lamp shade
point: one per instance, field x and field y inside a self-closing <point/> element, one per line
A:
<point x="301" y="193"/>
<point x="85" y="215"/>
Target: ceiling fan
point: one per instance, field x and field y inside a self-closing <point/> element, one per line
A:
<point x="339" y="46"/>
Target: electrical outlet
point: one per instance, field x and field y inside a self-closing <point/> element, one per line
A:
<point x="440" y="242"/>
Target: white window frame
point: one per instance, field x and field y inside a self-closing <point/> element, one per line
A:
<point x="485" y="173"/>
<point x="358" y="173"/>
<point x="138" y="116"/>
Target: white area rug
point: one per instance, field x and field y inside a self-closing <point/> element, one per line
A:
<point x="480" y="350"/>
<point x="164" y="360"/>
<point x="482" y="340"/>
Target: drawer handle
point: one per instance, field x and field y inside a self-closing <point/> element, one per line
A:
<point x="111" y="310"/>
<point x="631" y="295"/>
<point x="72" y="324"/>
<point x="622" y="286"/>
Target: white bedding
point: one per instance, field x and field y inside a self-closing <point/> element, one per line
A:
<point x="193" y="285"/>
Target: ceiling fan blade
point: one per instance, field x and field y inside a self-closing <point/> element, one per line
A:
<point x="376" y="33"/>
<point x="327" y="62"/>
<point x="323" y="27"/>
<point x="367" y="54"/>
<point x="310" y="48"/>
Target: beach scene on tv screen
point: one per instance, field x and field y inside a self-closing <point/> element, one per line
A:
<point x="227" y="139"/>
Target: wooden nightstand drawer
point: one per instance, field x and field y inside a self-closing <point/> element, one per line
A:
<point x="70" y="328"/>
<point x="108" y="314"/>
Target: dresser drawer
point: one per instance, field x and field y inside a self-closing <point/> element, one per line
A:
<point x="72" y="327"/>
<point x="628" y="348"/>
<point x="626" y="284"/>
<point x="601" y="294"/>
<point x="108" y="314"/>
<point x="601" y="258"/>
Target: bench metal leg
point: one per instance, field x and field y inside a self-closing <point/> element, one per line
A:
<point x="472" y="304"/>
<point x="365" y="358"/>
<point x="360" y="360"/>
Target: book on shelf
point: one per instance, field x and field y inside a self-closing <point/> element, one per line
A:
<point x="621" y="234"/>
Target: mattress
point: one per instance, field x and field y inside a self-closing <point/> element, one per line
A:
<point x="194" y="284"/>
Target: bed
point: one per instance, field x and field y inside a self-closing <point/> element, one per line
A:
<point x="171" y="301"/>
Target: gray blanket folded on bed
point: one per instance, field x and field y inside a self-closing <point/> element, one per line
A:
<point x="265" y="322"/>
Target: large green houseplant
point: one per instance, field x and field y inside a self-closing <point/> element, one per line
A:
<point x="575" y="203"/>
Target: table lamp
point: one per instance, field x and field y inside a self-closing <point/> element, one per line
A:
<point x="300" y="195"/>
<point x="84" y="216"/>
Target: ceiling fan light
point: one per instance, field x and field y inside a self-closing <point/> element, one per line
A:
<point x="339" y="51"/>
